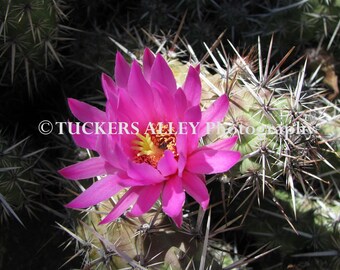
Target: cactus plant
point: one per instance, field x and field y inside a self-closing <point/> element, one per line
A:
<point x="29" y="36"/>
<point x="305" y="159"/>
<point x="150" y="241"/>
<point x="18" y="186"/>
<point x="311" y="243"/>
<point x="270" y="160"/>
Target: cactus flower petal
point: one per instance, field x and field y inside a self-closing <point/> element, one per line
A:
<point x="173" y="197"/>
<point x="122" y="71"/>
<point x="225" y="144"/>
<point x="192" y="87"/>
<point x="161" y="73"/>
<point x="85" y="112"/>
<point x="209" y="161"/>
<point x="178" y="219"/>
<point x="99" y="191"/>
<point x="148" y="59"/>
<point x="85" y="169"/>
<point x="167" y="165"/>
<point x="181" y="103"/>
<point x="165" y="104"/>
<point x="129" y="198"/>
<point x="109" y="87"/>
<point x="84" y="140"/>
<point x="140" y="90"/>
<point x="113" y="155"/>
<point x="147" y="198"/>
<point x="196" y="188"/>
<point x="215" y="114"/>
<point x="144" y="172"/>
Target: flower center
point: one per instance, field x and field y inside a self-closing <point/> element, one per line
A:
<point x="150" y="147"/>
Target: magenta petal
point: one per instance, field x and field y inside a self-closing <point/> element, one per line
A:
<point x="173" y="197"/>
<point x="224" y="144"/>
<point x="215" y="113"/>
<point x="147" y="198"/>
<point x="197" y="189"/>
<point x="192" y="87"/>
<point x="120" y="157"/>
<point x="85" y="112"/>
<point x="167" y="165"/>
<point x="83" y="140"/>
<point x="198" y="68"/>
<point x="129" y="198"/>
<point x="208" y="161"/>
<point x="109" y="87"/>
<point x="161" y="72"/>
<point x="181" y="144"/>
<point x="164" y="103"/>
<point x="182" y="160"/>
<point x="111" y="152"/>
<point x="192" y="115"/>
<point x="178" y="219"/>
<point x="122" y="71"/>
<point x="181" y="103"/>
<point x="85" y="169"/>
<point x="144" y="173"/>
<point x="140" y="90"/>
<point x="148" y="60"/>
<point x="127" y="108"/>
<point x="112" y="110"/>
<point x="99" y="191"/>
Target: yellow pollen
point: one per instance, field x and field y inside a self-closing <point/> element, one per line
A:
<point x="145" y="146"/>
<point x="150" y="147"/>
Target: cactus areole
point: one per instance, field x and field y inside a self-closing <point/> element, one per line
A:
<point x="154" y="161"/>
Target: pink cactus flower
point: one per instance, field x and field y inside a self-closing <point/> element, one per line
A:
<point x="149" y="165"/>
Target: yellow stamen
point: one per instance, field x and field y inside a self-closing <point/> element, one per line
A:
<point x="150" y="147"/>
<point x="146" y="146"/>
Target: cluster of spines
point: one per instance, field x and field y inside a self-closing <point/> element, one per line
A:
<point x="19" y="185"/>
<point x="29" y="33"/>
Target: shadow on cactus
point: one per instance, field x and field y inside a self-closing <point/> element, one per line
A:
<point x="19" y="177"/>
<point x="313" y="241"/>
<point x="29" y="33"/>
